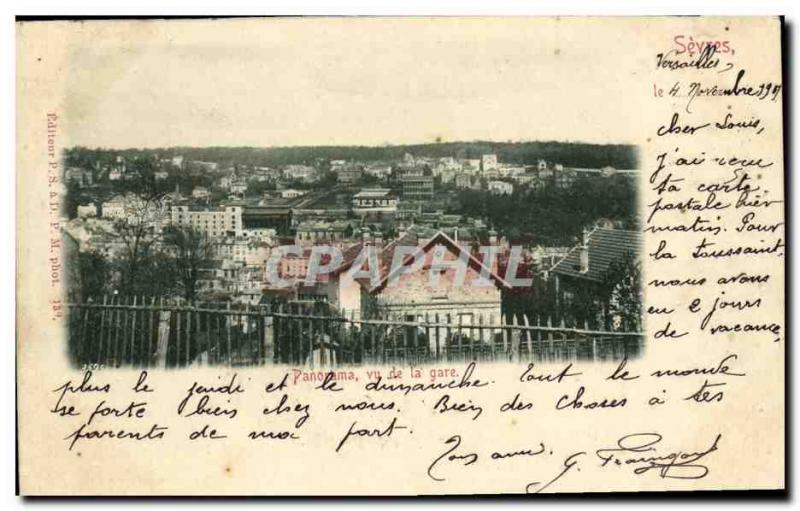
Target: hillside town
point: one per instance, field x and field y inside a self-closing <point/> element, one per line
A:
<point x="169" y="225"/>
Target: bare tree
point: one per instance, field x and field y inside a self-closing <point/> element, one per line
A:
<point x="191" y="251"/>
<point x="139" y="228"/>
<point x="138" y="233"/>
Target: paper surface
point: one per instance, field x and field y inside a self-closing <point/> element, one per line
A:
<point x="645" y="354"/>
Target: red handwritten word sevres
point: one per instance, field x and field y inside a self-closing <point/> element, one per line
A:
<point x="690" y="45"/>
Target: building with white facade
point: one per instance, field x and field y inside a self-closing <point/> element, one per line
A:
<point x="291" y="193"/>
<point x="374" y="200"/>
<point x="214" y="222"/>
<point x="488" y="162"/>
<point x="303" y="173"/>
<point x="87" y="210"/>
<point x="500" y="187"/>
<point x="200" y="192"/>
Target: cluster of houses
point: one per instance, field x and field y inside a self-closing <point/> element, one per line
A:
<point x="239" y="263"/>
<point x="386" y="205"/>
<point x="414" y="175"/>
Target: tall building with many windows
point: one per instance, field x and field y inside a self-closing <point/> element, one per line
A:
<point x="214" y="222"/>
<point x="417" y="187"/>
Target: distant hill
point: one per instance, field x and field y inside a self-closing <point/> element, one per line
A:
<point x="571" y="154"/>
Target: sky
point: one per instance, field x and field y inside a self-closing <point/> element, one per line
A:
<point x="366" y="81"/>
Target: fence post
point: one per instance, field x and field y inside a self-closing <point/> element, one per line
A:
<point x="164" y="317"/>
<point x="431" y="346"/>
<point x="228" y="319"/>
<point x="492" y="345"/>
<point x="311" y="341"/>
<point x="117" y="315"/>
<point x="131" y="349"/>
<point x="202" y="354"/>
<point x="437" y="341"/>
<point x="481" y="339"/>
<point x="515" y="339"/>
<point x="383" y="343"/>
<point x="149" y="348"/>
<point x="528" y="339"/>
<point x="504" y="334"/>
<point x="279" y="337"/>
<point x="269" y="335"/>
<point x="402" y="330"/>
<point x="593" y="339"/>
<point x="101" y="347"/>
<point x="82" y="358"/>
<point x="248" y="330"/>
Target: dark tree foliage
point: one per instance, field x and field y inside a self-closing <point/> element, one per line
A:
<point x="191" y="251"/>
<point x="553" y="216"/>
<point x="257" y="188"/>
<point x="72" y="199"/>
<point x="327" y="180"/>
<point x="156" y="277"/>
<point x="615" y="303"/>
<point x="531" y="301"/>
<point x="623" y="285"/>
<point x="367" y="180"/>
<point x="87" y="158"/>
<point x="94" y="272"/>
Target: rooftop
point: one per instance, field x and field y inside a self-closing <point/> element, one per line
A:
<point x="605" y="247"/>
<point x="368" y="193"/>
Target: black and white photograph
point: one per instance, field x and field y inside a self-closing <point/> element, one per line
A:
<point x="414" y="250"/>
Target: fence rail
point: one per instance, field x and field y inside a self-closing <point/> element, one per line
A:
<point x="152" y="332"/>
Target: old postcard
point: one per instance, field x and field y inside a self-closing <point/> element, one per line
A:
<point x="400" y="256"/>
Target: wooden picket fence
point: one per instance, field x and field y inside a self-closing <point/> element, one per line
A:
<point x="153" y="332"/>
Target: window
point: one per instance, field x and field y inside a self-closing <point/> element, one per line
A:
<point x="465" y="318"/>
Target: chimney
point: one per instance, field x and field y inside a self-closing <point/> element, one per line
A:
<point x="492" y="237"/>
<point x="585" y="236"/>
<point x="365" y="236"/>
<point x="583" y="251"/>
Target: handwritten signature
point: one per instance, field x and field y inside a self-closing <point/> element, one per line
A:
<point x="672" y="465"/>
<point x="639" y="451"/>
